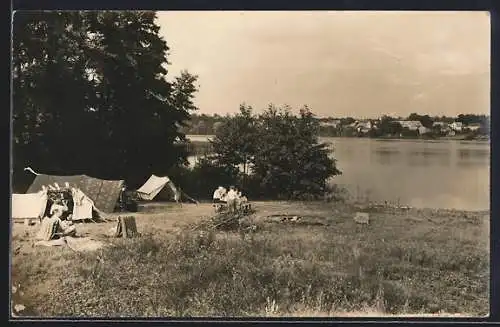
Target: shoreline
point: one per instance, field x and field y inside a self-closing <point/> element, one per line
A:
<point x="461" y="138"/>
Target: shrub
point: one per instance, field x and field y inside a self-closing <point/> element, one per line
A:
<point x="289" y="161"/>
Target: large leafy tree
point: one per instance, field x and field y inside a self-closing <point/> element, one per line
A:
<point x="426" y="120"/>
<point x="388" y="126"/>
<point x="235" y="141"/>
<point x="290" y="161"/>
<point x="91" y="94"/>
<point x="49" y="86"/>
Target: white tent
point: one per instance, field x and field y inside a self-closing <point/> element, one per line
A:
<point x="31" y="205"/>
<point x="153" y="186"/>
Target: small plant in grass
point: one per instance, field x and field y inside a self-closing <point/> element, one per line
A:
<point x="271" y="307"/>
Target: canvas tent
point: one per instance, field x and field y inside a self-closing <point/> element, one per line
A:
<point x="34" y="205"/>
<point x="155" y="187"/>
<point x="104" y="194"/>
<point x="29" y="205"/>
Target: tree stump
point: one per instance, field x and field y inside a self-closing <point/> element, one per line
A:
<point x="126" y="227"/>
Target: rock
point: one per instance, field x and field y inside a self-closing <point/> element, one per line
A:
<point x="19" y="307"/>
<point x="14" y="290"/>
<point x="362" y="218"/>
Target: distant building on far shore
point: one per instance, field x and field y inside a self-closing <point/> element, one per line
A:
<point x="412" y="125"/>
<point x="457" y="126"/>
<point x="441" y="126"/>
<point x="473" y="127"/>
<point x="331" y="123"/>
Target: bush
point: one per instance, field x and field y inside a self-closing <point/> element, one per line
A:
<point x="201" y="181"/>
<point x="288" y="163"/>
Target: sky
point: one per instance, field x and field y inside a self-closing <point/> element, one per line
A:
<point x="339" y="63"/>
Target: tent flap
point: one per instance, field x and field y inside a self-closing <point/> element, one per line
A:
<point x="82" y="206"/>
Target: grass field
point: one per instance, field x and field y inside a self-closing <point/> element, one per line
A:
<point x="411" y="262"/>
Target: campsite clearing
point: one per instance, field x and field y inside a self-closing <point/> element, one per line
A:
<point x="403" y="262"/>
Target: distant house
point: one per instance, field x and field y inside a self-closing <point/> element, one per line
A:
<point x="473" y="127"/>
<point x="457" y="126"/>
<point x="330" y="123"/>
<point x="365" y="124"/>
<point x="363" y="127"/>
<point x="412" y="125"/>
<point x="441" y="124"/>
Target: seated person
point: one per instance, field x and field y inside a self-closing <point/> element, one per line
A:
<point x="65" y="227"/>
<point x="219" y="195"/>
<point x="232" y="198"/>
<point x="243" y="201"/>
<point x="54" y="225"/>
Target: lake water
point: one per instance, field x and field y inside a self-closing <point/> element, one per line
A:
<point x="434" y="174"/>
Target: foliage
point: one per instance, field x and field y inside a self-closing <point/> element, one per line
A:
<point x="290" y="161"/>
<point x="91" y="94"/>
<point x="425" y="119"/>
<point x="468" y="119"/>
<point x="200" y="181"/>
<point x="235" y="142"/>
<point x="388" y="126"/>
<point x="282" y="151"/>
<point x="208" y="125"/>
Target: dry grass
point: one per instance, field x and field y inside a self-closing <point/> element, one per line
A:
<point x="416" y="262"/>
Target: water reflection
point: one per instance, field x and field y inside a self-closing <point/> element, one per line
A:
<point x="441" y="174"/>
<point x="471" y="163"/>
<point x="429" y="157"/>
<point x="385" y="155"/>
<point x="474" y="153"/>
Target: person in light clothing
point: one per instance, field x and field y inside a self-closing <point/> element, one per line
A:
<point x="56" y="223"/>
<point x="224" y="195"/>
<point x="218" y="194"/>
<point x="231" y="199"/>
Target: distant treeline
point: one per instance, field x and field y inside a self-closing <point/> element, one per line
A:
<point x="433" y="126"/>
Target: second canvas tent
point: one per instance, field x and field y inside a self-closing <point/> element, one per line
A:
<point x="157" y="187"/>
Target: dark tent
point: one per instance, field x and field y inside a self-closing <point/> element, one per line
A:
<point x="104" y="193"/>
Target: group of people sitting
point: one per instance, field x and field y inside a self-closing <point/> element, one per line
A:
<point x="233" y="198"/>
